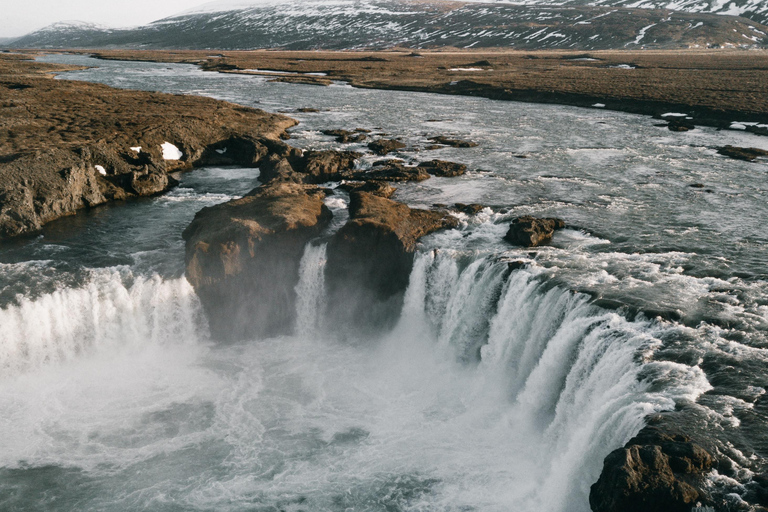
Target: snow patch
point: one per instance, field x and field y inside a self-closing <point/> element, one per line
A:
<point x="599" y="105"/>
<point x="136" y="149"/>
<point x="101" y="170"/>
<point x="171" y="152"/>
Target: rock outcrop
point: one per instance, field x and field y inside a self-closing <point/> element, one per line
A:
<point x="384" y="146"/>
<point x="242" y="257"/>
<point x="377" y="188"/>
<point x="346" y="136"/>
<point x="656" y="470"/>
<point x="530" y="231"/>
<point x="371" y="256"/>
<point x="98" y="147"/>
<point x="746" y="154"/>
<point x="394" y="170"/>
<point x="456" y="143"/>
<point x="443" y="169"/>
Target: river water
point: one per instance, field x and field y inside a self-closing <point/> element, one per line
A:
<point x="495" y="391"/>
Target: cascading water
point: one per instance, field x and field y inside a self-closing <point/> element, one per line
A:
<point x="563" y="371"/>
<point x="493" y="392"/>
<point x="497" y="389"/>
<point x="103" y="313"/>
<point x="310" y="290"/>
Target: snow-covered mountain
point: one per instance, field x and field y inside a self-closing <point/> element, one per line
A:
<point x="355" y="24"/>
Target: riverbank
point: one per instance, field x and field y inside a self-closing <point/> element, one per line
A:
<point x="714" y="87"/>
<point x="68" y="145"/>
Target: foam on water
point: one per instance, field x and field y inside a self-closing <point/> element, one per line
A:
<point x="493" y="392"/>
<point x="105" y="312"/>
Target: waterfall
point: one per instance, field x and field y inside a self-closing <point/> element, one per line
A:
<point x="104" y="312"/>
<point x="310" y="290"/>
<point x="566" y="372"/>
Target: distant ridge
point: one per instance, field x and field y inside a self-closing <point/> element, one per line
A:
<point x="380" y="24"/>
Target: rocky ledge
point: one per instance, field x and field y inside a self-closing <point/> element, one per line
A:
<point x="656" y="470"/>
<point x="243" y="256"/>
<point x="99" y="146"/>
<point x="371" y="256"/>
<point x="531" y="231"/>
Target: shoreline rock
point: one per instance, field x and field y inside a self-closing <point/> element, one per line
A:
<point x="97" y="147"/>
<point x="655" y="470"/>
<point x="530" y="231"/>
<point x="370" y="259"/>
<point x="242" y="258"/>
<point x="384" y="146"/>
<point x="739" y="153"/>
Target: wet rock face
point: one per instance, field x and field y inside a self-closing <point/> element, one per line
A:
<point x="443" y="168"/>
<point x="654" y="471"/>
<point x="456" y="143"/>
<point x="86" y="158"/>
<point x="370" y="259"/>
<point x="322" y="166"/>
<point x="394" y="170"/>
<point x="377" y="188"/>
<point x="384" y="146"/>
<point x="746" y="154"/>
<point x="242" y="257"/>
<point x="346" y="136"/>
<point x="531" y="231"/>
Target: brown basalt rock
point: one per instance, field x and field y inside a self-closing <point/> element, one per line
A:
<point x="530" y="231"/>
<point x="377" y="188"/>
<point x="371" y="256"/>
<point x="469" y="209"/>
<point x="346" y="136"/>
<point x="322" y="166"/>
<point x="393" y="170"/>
<point x="276" y="168"/>
<point x="443" y="168"/>
<point x="46" y="177"/>
<point x="39" y="188"/>
<point x="236" y="150"/>
<point x="456" y="143"/>
<point x="384" y="146"/>
<point x="746" y="154"/>
<point x="654" y="471"/>
<point x="151" y="183"/>
<point x="243" y="258"/>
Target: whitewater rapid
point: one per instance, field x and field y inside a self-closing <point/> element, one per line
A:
<point x="495" y="391"/>
<point x="503" y="384"/>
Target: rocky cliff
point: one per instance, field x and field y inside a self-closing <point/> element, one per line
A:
<point x="104" y="144"/>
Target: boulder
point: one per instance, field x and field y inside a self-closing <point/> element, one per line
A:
<point x="653" y="471"/>
<point x="384" y="146"/>
<point x="680" y="125"/>
<point x="346" y="136"/>
<point x="393" y="170"/>
<point x="148" y="183"/>
<point x="276" y="168"/>
<point x="322" y="166"/>
<point x="443" y="169"/>
<point x="38" y="188"/>
<point x="746" y="154"/>
<point x="531" y="231"/>
<point x="377" y="188"/>
<point x="370" y="259"/>
<point x="242" y="258"/>
<point x="456" y="143"/>
<point x="469" y="209"/>
<point x="236" y="150"/>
